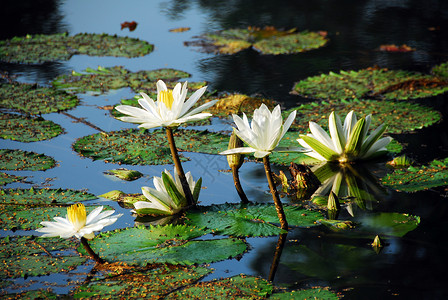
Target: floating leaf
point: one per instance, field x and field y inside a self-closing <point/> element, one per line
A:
<point x="104" y="79"/>
<point x="38" y="294"/>
<point x="395" y="48"/>
<point x="267" y="40"/>
<point x="125" y="174"/>
<point x="148" y="284"/>
<point x="368" y="83"/>
<point x="27" y="129"/>
<point x="147" y="148"/>
<point x="27" y="256"/>
<point x="40" y="48"/>
<point x="24" y="160"/>
<point x="8" y="178"/>
<point x="35" y="100"/>
<point x="164" y="244"/>
<point x="398" y="116"/>
<point x="236" y="287"/>
<point x="415" y="179"/>
<point x="250" y="220"/>
<point x="130" y="25"/>
<point x="394" y="224"/>
<point x="441" y="71"/>
<point x="314" y="293"/>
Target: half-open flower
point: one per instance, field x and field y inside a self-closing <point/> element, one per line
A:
<point x="169" y="110"/>
<point x="348" y="142"/>
<point x="168" y="197"/>
<point x="76" y="223"/>
<point x="264" y="133"/>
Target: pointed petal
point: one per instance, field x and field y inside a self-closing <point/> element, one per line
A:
<point x="238" y="150"/>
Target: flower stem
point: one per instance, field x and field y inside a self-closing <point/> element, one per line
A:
<point x="239" y="188"/>
<point x="179" y="169"/>
<point x="277" y="255"/>
<point x="90" y="251"/>
<point x="275" y="197"/>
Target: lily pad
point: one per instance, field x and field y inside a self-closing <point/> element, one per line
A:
<point x="250" y="220"/>
<point x="371" y="83"/>
<point x="415" y="179"/>
<point x="28" y="256"/>
<point x="147" y="148"/>
<point x="236" y="287"/>
<point x="268" y="40"/>
<point x="398" y="116"/>
<point x="441" y="71"/>
<point x="147" y="284"/>
<point x="35" y="100"/>
<point x="164" y="244"/>
<point x="38" y="294"/>
<point x="27" y="129"/>
<point x="24" y="160"/>
<point x="104" y="79"/>
<point x="394" y="224"/>
<point x="8" y="178"/>
<point x="314" y="293"/>
<point x="34" y="49"/>
<point x="125" y="174"/>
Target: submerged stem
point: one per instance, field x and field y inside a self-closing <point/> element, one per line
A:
<point x="90" y="251"/>
<point x="179" y="169"/>
<point x="239" y="188"/>
<point x="275" y="197"/>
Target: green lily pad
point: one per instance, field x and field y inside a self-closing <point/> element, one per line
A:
<point x="267" y="41"/>
<point x="33" y="49"/>
<point x="441" y="71"/>
<point x="35" y="100"/>
<point x="25" y="208"/>
<point x="28" y="256"/>
<point x="250" y="220"/>
<point x="394" y="224"/>
<point x="33" y="295"/>
<point x="398" y="116"/>
<point x="415" y="179"/>
<point x="8" y="178"/>
<point x="236" y="287"/>
<point x="24" y="160"/>
<point x="142" y="284"/>
<point x="370" y="83"/>
<point x="27" y="129"/>
<point x="125" y="174"/>
<point x="164" y="244"/>
<point x="147" y="148"/>
<point x="314" y="293"/>
<point x="104" y="79"/>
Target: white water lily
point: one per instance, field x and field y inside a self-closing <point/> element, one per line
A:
<point x="76" y="223"/>
<point x="168" y="196"/>
<point x="348" y="142"/>
<point x="169" y="110"/>
<point x="264" y="133"/>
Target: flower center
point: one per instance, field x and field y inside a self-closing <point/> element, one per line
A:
<point x="76" y="214"/>
<point x="167" y="98"/>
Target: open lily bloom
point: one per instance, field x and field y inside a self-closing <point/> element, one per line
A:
<point x="76" y="223"/>
<point x="348" y="142"/>
<point x="169" y="110"/>
<point x="265" y="132"/>
<point x="168" y="196"/>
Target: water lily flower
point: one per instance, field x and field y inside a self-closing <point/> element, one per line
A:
<point x="168" y="197"/>
<point x="76" y="223"/>
<point x="169" y="110"/>
<point x="348" y="142"/>
<point x="264" y="133"/>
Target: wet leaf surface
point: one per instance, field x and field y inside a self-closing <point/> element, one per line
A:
<point x="421" y="178"/>
<point x="27" y="129"/>
<point x="441" y="70"/>
<point x="392" y="224"/>
<point x="35" y="100"/>
<point x="125" y="174"/>
<point x="61" y="46"/>
<point x="371" y="83"/>
<point x="314" y="293"/>
<point x="9" y="178"/>
<point x="12" y="159"/>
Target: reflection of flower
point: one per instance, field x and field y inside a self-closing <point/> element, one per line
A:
<point x="169" y="110"/>
<point x="77" y="224"/>
<point x="348" y="142"/>
<point x="265" y="132"/>
<point x="168" y="196"/>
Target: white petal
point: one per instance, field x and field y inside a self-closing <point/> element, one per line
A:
<point x="92" y="216"/>
<point x="193" y="99"/>
<point x="238" y="150"/>
<point x="321" y="135"/>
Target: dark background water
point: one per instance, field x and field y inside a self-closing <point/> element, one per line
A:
<point x="410" y="267"/>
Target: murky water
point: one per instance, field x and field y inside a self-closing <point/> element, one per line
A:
<point x="412" y="266"/>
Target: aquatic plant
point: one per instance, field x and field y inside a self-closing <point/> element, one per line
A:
<point x="346" y="143"/>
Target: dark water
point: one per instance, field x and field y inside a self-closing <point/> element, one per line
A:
<point x="411" y="267"/>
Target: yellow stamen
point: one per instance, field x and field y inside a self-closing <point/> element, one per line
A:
<point x="76" y="214"/>
<point x="167" y="98"/>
